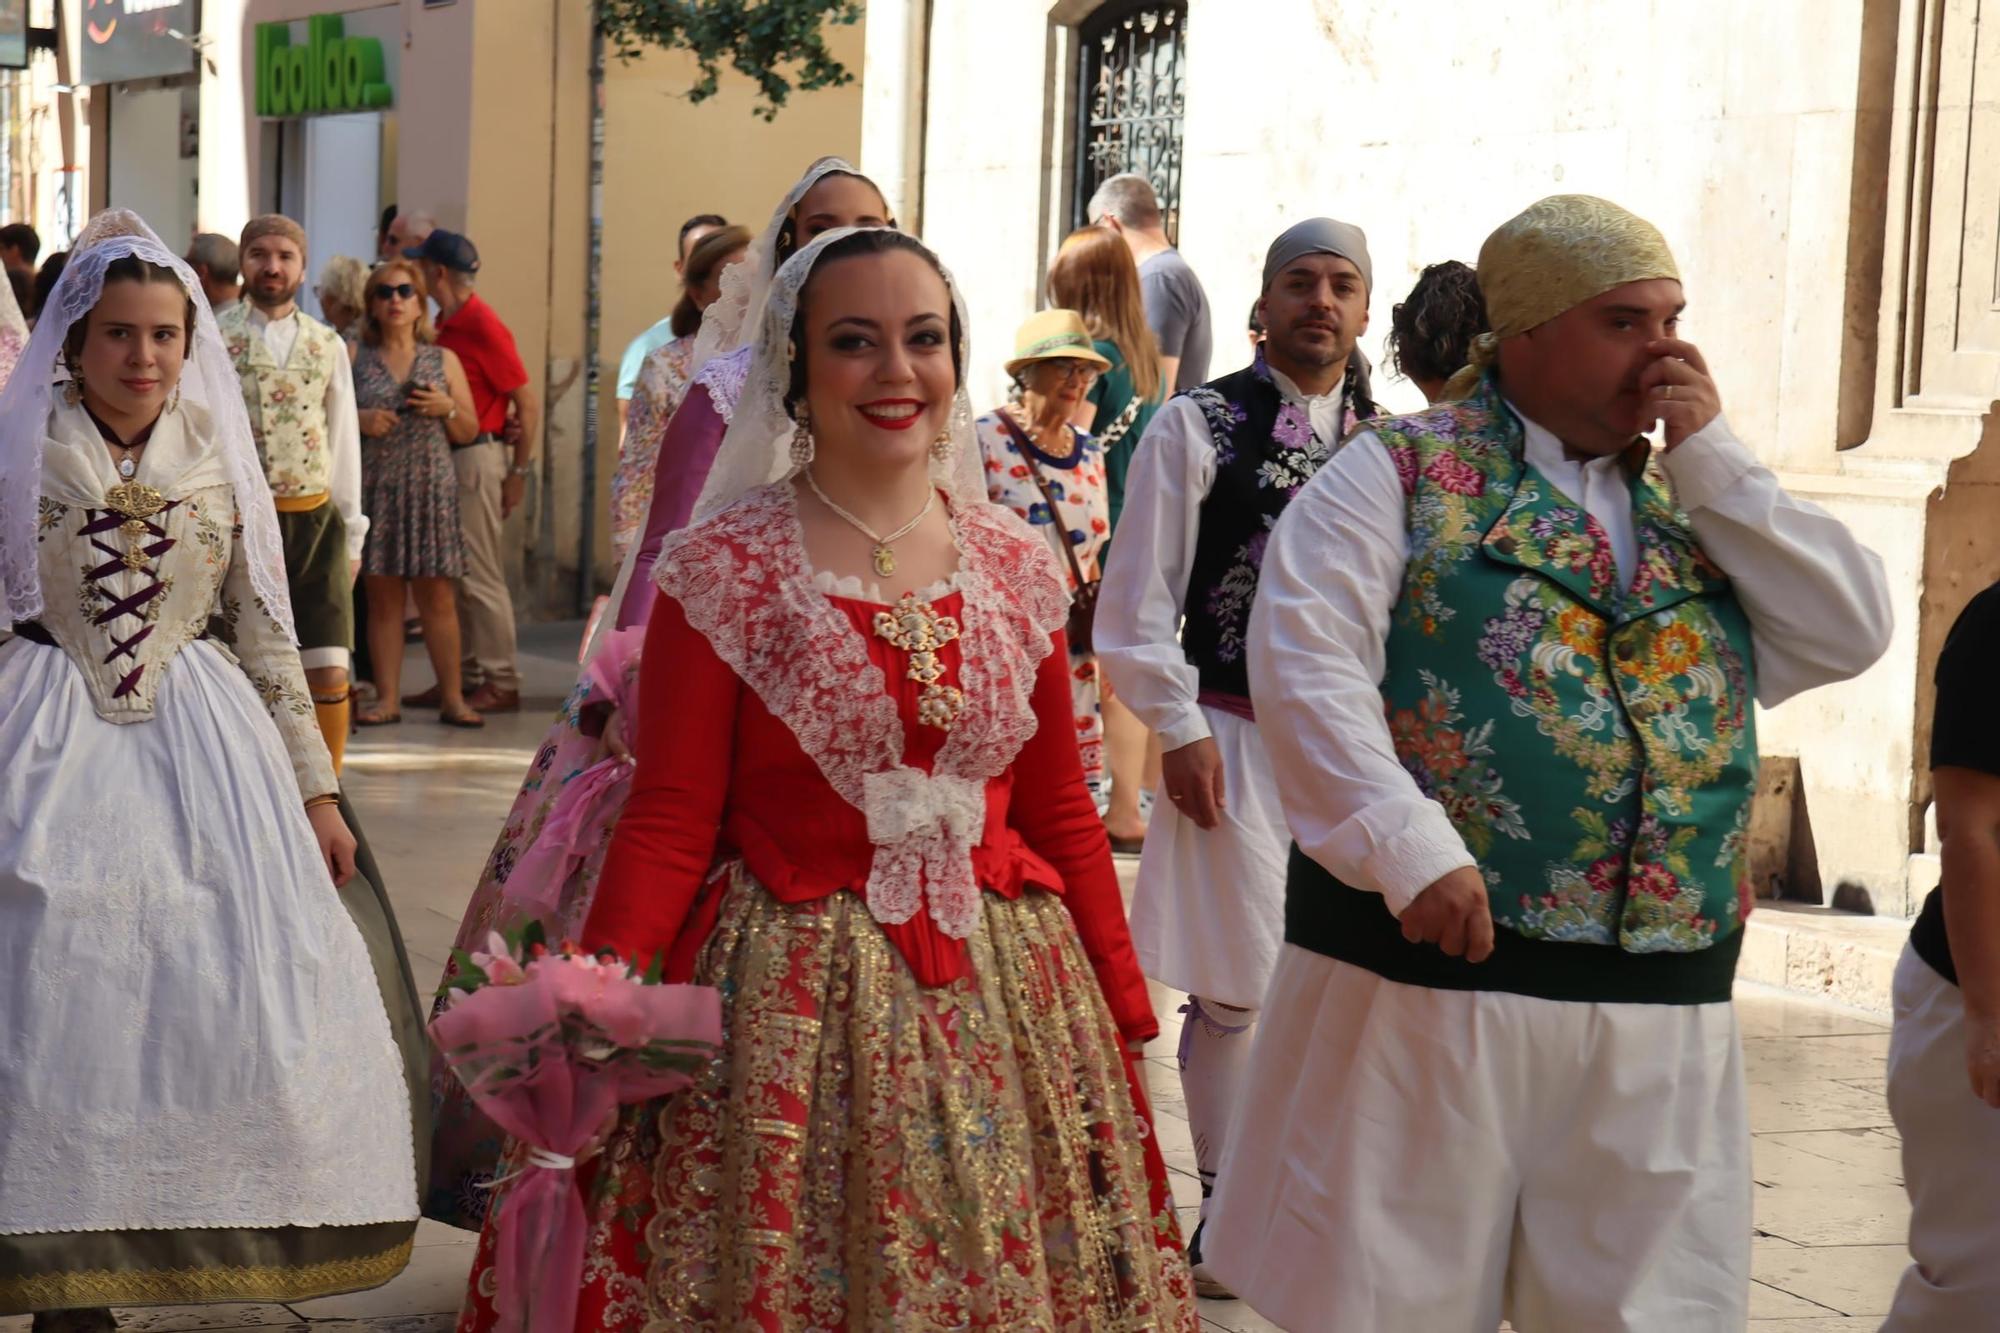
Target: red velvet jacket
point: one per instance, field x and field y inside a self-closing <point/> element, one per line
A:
<point x="720" y="778"/>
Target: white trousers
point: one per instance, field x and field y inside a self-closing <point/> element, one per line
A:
<point x="1410" y="1160"/>
<point x="1951" y="1162"/>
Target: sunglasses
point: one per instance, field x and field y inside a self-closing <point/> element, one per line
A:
<point x="383" y="291"/>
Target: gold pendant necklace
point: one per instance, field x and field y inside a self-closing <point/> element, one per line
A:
<point x="884" y="558"/>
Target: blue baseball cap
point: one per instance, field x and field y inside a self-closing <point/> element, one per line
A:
<point x="449" y="249"/>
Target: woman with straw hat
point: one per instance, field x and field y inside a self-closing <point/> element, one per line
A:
<point x="1051" y="473"/>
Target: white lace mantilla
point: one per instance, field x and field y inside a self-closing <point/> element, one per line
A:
<point x="743" y="581"/>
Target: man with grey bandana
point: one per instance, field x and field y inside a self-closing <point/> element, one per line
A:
<point x="1216" y="468"/>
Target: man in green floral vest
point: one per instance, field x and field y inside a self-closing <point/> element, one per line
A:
<point x="1506" y="655"/>
<point x="300" y="393"/>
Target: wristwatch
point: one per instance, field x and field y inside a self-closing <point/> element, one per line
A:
<point x="520" y="470"/>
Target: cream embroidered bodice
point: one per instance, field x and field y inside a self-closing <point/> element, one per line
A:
<point x="122" y="603"/>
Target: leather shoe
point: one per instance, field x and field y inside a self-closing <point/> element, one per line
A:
<point x="430" y="698"/>
<point x="489" y="699"/>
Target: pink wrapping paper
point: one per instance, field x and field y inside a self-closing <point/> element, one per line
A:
<point x="550" y="1059"/>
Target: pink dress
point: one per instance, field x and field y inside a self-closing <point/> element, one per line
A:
<point x="546" y="862"/>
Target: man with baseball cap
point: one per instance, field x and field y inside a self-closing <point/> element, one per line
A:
<point x="1506" y="656"/>
<point x="490" y="487"/>
<point x="1216" y="467"/>
<point x="300" y="393"/>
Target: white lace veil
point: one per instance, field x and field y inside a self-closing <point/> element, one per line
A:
<point x="756" y="449"/>
<point x="208" y="383"/>
<point x="731" y="319"/>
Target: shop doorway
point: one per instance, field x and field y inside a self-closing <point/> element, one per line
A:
<point x="329" y="179"/>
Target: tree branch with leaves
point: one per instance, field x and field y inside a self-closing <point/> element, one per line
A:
<point x="781" y="44"/>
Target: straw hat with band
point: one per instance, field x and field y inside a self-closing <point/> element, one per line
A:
<point x="1053" y="335"/>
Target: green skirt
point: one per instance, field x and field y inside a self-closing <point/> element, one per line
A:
<point x="78" y="1269"/>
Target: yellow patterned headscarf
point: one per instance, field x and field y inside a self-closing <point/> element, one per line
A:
<point x="1552" y="257"/>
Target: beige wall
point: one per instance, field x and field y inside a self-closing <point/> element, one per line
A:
<point x="666" y="159"/>
<point x="1785" y="149"/>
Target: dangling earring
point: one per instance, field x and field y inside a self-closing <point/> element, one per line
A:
<point x="174" y="403"/>
<point x="802" y="441"/>
<point x="73" y="390"/>
<point x="941" y="447"/>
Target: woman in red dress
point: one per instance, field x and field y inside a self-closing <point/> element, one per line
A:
<point x="860" y="813"/>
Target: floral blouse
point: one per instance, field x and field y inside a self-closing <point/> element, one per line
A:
<point x="663" y="382"/>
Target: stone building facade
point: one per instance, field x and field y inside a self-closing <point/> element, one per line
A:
<point x="1828" y="172"/>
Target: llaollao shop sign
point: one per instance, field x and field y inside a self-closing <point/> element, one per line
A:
<point x="330" y="74"/>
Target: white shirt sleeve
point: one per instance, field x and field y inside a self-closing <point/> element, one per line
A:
<point x="1331" y="576"/>
<point x="1818" y="600"/>
<point x="1137" y="628"/>
<point x="343" y="443"/>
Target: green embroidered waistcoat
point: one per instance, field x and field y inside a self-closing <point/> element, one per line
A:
<point x="287" y="404"/>
<point x="1594" y="745"/>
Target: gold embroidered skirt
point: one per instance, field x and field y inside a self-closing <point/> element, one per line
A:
<point x="870" y="1153"/>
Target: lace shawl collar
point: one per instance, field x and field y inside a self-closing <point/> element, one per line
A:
<point x="744" y="583"/>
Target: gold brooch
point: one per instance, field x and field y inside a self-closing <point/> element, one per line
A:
<point x="134" y="501"/>
<point x="917" y="629"/>
<point x="137" y="503"/>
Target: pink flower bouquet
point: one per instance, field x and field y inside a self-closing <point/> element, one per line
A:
<point x="549" y="1043"/>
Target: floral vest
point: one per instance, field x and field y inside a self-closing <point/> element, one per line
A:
<point x="1265" y="450"/>
<point x="1594" y="746"/>
<point x="287" y="403"/>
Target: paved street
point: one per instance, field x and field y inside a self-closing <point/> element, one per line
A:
<point x="1829" y="1203"/>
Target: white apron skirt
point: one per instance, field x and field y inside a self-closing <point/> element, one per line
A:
<point x="1431" y="1161"/>
<point x="191" y="1033"/>
<point x="1208" y="912"/>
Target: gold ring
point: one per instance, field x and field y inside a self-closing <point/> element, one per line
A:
<point x="1669" y="392"/>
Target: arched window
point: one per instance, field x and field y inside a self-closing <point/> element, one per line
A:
<point x="1132" y="92"/>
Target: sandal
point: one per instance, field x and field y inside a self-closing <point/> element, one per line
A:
<point x="468" y="719"/>
<point x="375" y="715"/>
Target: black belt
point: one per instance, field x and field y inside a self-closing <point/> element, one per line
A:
<point x="34" y="631"/>
<point x="482" y="438"/>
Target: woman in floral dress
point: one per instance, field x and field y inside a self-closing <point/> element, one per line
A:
<point x="414" y="404"/>
<point x="858" y="813"/>
<point x="1052" y="474"/>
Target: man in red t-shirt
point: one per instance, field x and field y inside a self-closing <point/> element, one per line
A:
<point x="489" y="487"/>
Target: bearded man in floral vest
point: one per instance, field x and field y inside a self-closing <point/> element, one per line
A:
<point x="300" y="393"/>
<point x="1214" y="471"/>
<point x="1506" y="655"/>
